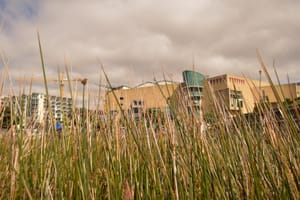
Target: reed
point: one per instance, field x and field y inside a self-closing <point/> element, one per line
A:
<point x="170" y="159"/>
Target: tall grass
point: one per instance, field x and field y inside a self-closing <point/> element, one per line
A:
<point x="171" y="159"/>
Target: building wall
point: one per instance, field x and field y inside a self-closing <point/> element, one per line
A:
<point x="60" y="107"/>
<point x="144" y="97"/>
<point x="192" y="90"/>
<point x="34" y="106"/>
<point x="286" y="91"/>
<point x="4" y="101"/>
<point x="38" y="107"/>
<point x="234" y="92"/>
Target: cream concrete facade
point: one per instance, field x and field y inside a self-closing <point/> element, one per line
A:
<point x="234" y="92"/>
<point x="135" y="101"/>
<point x="286" y="91"/>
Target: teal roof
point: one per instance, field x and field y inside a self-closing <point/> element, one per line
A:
<point x="192" y="78"/>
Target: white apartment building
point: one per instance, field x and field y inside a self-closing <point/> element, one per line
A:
<point x="34" y="107"/>
<point x="3" y="101"/>
<point x="60" y="107"/>
<point x="38" y="107"/>
<point x="17" y="104"/>
<point x="20" y="106"/>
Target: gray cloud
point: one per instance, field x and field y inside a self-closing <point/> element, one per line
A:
<point x="138" y="40"/>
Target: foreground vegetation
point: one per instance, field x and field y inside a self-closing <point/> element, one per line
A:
<point x="165" y="159"/>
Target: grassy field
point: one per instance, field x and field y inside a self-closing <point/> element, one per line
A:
<point x="170" y="159"/>
<point x="232" y="159"/>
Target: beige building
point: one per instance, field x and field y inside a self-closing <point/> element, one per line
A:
<point x="135" y="101"/>
<point x="286" y="91"/>
<point x="231" y="92"/>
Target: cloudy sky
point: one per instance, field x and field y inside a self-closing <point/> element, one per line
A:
<point x="137" y="40"/>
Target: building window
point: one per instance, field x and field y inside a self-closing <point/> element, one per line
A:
<point x="236" y="100"/>
<point x="240" y="103"/>
<point x="137" y="109"/>
<point x="134" y="103"/>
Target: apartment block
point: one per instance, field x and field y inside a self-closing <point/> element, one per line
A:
<point x="38" y="107"/>
<point x="35" y="107"/>
<point x="60" y="107"/>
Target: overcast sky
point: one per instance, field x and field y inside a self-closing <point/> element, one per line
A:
<point x="138" y="40"/>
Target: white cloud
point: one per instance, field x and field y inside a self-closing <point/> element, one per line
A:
<point x="139" y="39"/>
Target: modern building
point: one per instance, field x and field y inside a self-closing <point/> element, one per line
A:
<point x="157" y="96"/>
<point x="38" y="107"/>
<point x="192" y="90"/>
<point x="231" y="92"/>
<point x="60" y="107"/>
<point x="134" y="102"/>
<point x="20" y="107"/>
<point x="34" y="107"/>
<point x="290" y="91"/>
<point x="4" y="100"/>
<point x="197" y="94"/>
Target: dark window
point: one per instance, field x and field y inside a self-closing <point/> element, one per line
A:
<point x="135" y="110"/>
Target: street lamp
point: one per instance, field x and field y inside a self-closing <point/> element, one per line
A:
<point x="83" y="82"/>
